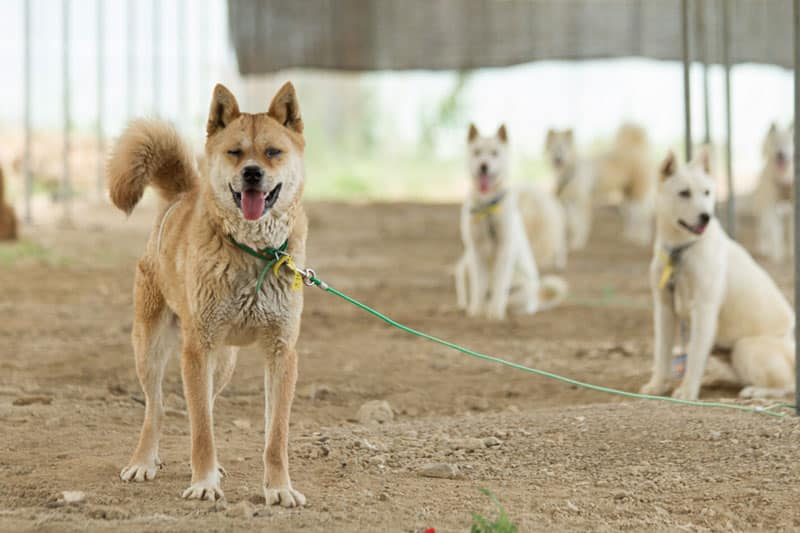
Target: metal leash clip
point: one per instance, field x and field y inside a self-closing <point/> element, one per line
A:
<point x="309" y="277"/>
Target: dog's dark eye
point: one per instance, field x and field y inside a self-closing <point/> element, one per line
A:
<point x="708" y="192"/>
<point x="685" y="193"/>
<point x="273" y="152"/>
<point x="235" y="153"/>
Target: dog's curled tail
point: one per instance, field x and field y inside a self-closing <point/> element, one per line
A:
<point x="552" y="292"/>
<point x="149" y="152"/>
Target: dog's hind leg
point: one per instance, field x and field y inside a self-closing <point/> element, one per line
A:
<point x="765" y="365"/>
<point x="280" y="376"/>
<point x="155" y="336"/>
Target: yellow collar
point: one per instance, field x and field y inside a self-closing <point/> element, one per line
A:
<point x="490" y="207"/>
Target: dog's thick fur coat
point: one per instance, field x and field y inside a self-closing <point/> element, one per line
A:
<point x="194" y="290"/>
<point x="501" y="228"/>
<point x="8" y="219"/>
<point x="722" y="296"/>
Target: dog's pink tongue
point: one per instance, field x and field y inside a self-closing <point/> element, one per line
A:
<point x="253" y="204"/>
<point x="483" y="182"/>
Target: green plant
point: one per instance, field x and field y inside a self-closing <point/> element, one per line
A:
<point x="503" y="524"/>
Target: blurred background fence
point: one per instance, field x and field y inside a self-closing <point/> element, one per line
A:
<point x="382" y="124"/>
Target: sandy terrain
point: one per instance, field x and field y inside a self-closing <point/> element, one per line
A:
<point x="557" y="457"/>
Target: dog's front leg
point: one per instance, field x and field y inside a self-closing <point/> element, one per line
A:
<point x="701" y="339"/>
<point x="476" y="276"/>
<point x="664" y="323"/>
<point x="280" y="376"/>
<point x="461" y="282"/>
<point x="501" y="284"/>
<point x="197" y="372"/>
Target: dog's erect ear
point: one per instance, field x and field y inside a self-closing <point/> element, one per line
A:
<point x="551" y="137"/>
<point x="473" y="133"/>
<point x="773" y="129"/>
<point x="223" y="110"/>
<point x="669" y="166"/>
<point x="703" y="159"/>
<point x="502" y="134"/>
<point x="285" y="108"/>
<point x="569" y="135"/>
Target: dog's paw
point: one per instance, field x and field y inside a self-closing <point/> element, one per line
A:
<point x="284" y="496"/>
<point x="207" y="489"/>
<point x="684" y="392"/>
<point x="655" y="388"/>
<point x="141" y="471"/>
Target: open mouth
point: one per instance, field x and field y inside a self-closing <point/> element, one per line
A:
<point x="697" y="229"/>
<point x="253" y="202"/>
<point x="484" y="181"/>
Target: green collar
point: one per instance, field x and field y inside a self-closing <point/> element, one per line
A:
<point x="269" y="254"/>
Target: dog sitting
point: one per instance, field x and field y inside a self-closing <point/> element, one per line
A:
<point x="501" y="226"/>
<point x="712" y="294"/>
<point x="773" y="195"/>
<point x="574" y="184"/>
<point x="200" y="288"/>
<point x="8" y="219"/>
<point x="622" y="175"/>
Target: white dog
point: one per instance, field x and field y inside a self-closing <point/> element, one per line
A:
<point x="706" y="286"/>
<point x="623" y="175"/>
<point x="498" y="261"/>
<point x="773" y="196"/>
<point x="574" y="184"/>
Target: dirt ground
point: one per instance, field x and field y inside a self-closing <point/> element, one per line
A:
<point x="557" y="457"/>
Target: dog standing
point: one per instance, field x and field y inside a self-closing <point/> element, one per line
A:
<point x="773" y="195"/>
<point x="8" y="219"/>
<point x="498" y="266"/>
<point x="196" y="289"/>
<point x="708" y="288"/>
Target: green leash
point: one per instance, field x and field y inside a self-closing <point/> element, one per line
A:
<point x="310" y="278"/>
<point x="269" y="255"/>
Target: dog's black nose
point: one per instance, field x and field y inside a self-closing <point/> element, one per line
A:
<point x="781" y="156"/>
<point x="252" y="174"/>
<point x="704" y="218"/>
<point x="484" y="168"/>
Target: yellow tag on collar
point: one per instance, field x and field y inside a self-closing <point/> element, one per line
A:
<point x="297" y="282"/>
<point x="669" y="269"/>
<point x="489" y="210"/>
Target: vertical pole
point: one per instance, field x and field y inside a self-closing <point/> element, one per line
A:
<point x="702" y="39"/>
<point x="28" y="69"/>
<point x="726" y="57"/>
<point x="131" y="57"/>
<point x="100" y="93"/>
<point x="66" y="188"/>
<point x="156" y="58"/>
<point x="687" y="97"/>
<point x="182" y="63"/>
<point x="797" y="198"/>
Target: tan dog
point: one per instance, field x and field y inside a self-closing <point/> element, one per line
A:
<point x="194" y="285"/>
<point x="8" y="219"/>
<point x="773" y="195"/>
<point x="707" y="286"/>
